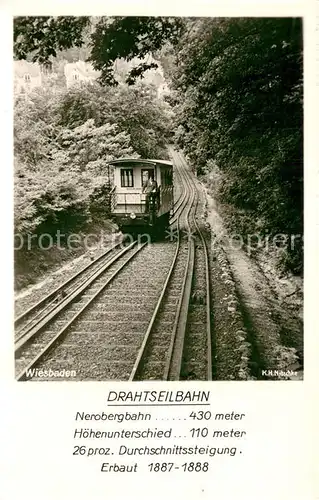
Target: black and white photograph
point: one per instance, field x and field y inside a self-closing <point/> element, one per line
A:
<point x="158" y="198"/>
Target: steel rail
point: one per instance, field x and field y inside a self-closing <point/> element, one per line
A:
<point x="208" y="293"/>
<point x="56" y="303"/>
<point x="35" y="329"/>
<point x="54" y="294"/>
<point x="61" y="287"/>
<point x="184" y="293"/>
<point x="138" y="362"/>
<point x="141" y="353"/>
<point x="63" y="332"/>
<point x="175" y="353"/>
<point x="181" y="205"/>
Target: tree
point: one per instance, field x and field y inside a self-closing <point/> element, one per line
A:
<point x="109" y="38"/>
<point x="237" y="97"/>
<point x="63" y="141"/>
<point x="42" y="37"/>
<point x="87" y="148"/>
<point x="135" y="110"/>
<point x="241" y="87"/>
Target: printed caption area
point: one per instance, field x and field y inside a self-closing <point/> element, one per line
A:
<point x="185" y="439"/>
<point x="159" y="440"/>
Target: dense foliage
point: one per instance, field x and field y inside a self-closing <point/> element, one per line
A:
<point x="109" y="38"/>
<point x="63" y="140"/>
<point x="45" y="36"/>
<point x="237" y="93"/>
<point x="240" y="111"/>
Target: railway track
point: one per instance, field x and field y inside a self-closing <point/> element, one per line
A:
<point x="178" y="341"/>
<point x="33" y="316"/>
<point x="31" y="347"/>
<point x="197" y="357"/>
<point x="41" y="309"/>
<point x="96" y="326"/>
<point x="161" y="350"/>
<point x="45" y="325"/>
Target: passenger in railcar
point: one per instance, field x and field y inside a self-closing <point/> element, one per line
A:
<point x="150" y="188"/>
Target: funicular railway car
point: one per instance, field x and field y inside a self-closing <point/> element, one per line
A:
<point x="141" y="199"/>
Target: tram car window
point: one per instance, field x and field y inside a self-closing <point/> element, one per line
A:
<point x="127" y="179"/>
<point x="142" y="196"/>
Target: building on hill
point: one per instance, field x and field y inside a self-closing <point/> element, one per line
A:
<point x="27" y="76"/>
<point x="79" y="71"/>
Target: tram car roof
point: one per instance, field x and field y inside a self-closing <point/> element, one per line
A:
<point x="141" y="160"/>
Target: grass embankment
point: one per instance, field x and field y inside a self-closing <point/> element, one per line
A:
<point x="250" y="232"/>
<point x="35" y="263"/>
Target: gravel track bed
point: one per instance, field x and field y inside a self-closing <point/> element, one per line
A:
<point x="96" y="370"/>
<point x="29" y="296"/>
<point x="196" y="349"/>
<point x="197" y="317"/>
<point x="156" y="353"/>
<point x="194" y="371"/>
<point x="31" y="349"/>
<point x="198" y="296"/>
<point x="161" y="339"/>
<point x="165" y="320"/>
<point x="112" y="327"/>
<point x="125" y="300"/>
<point x="73" y="356"/>
<point x="92" y="359"/>
<point x="94" y="316"/>
<point x="194" y="362"/>
<point x="89" y="292"/>
<point x="154" y="371"/>
<point x="235" y="356"/>
<point x="108" y="336"/>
